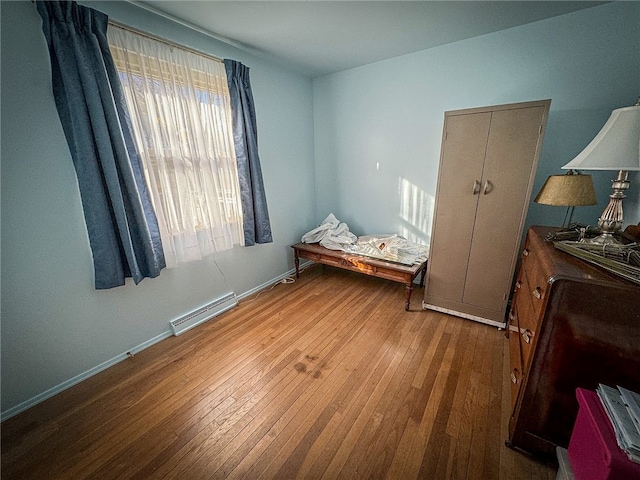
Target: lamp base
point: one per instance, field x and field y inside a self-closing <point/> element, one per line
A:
<point x="602" y="239"/>
<point x="610" y="223"/>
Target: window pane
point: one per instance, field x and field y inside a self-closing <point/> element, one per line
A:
<point x="180" y="112"/>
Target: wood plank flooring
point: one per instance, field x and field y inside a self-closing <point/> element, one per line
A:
<point x="325" y="378"/>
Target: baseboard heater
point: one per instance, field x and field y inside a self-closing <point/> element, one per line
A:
<point x="204" y="313"/>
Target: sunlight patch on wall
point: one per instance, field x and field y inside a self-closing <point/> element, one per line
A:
<point x="416" y="212"/>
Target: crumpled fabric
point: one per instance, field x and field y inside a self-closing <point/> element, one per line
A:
<point x="335" y="235"/>
<point x="332" y="234"/>
<point x="394" y="248"/>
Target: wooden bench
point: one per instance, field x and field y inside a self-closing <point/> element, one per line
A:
<point x="396" y="272"/>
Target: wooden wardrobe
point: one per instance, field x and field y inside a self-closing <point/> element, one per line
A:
<point x="488" y="162"/>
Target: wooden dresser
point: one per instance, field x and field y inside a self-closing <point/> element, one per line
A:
<point x="571" y="325"/>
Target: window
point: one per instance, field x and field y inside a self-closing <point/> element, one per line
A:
<point x="180" y="112"/>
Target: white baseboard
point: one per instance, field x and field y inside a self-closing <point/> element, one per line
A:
<point x="500" y="325"/>
<point x="13" y="411"/>
<point x="278" y="279"/>
<point x="79" y="378"/>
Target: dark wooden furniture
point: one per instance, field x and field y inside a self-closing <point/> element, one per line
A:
<point x="571" y="325"/>
<point x="396" y="272"/>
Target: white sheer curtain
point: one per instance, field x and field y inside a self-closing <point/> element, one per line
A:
<point x="181" y="117"/>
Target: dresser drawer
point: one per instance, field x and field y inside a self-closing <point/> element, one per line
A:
<point x="515" y="356"/>
<point x="529" y="307"/>
<point x="527" y="258"/>
<point x="526" y="331"/>
<point x="527" y="340"/>
<point x="535" y="283"/>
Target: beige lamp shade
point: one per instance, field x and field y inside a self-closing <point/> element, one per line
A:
<point x="570" y="190"/>
<point x="617" y="145"/>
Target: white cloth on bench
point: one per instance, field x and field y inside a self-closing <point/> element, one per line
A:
<point x="335" y="235"/>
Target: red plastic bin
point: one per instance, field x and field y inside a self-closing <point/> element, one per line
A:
<point x="594" y="453"/>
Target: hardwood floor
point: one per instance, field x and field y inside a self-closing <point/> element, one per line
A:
<point x="325" y="378"/>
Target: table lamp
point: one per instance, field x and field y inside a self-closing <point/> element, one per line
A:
<point x="615" y="147"/>
<point x="570" y="190"/>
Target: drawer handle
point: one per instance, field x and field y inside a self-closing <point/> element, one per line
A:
<point x="514" y="377"/>
<point x="518" y="284"/>
<point x="536" y="293"/>
<point x="476" y="187"/>
<point x="525" y="253"/>
<point x="527" y="334"/>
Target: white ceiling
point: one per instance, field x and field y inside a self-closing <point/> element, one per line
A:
<point x="317" y="38"/>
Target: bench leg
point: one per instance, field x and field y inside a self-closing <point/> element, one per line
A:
<point x="409" y="289"/>
<point x="296" y="260"/>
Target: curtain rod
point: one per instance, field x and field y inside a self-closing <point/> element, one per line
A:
<point x="164" y="40"/>
<point x="160" y="39"/>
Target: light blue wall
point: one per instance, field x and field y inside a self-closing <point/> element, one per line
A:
<point x="55" y="326"/>
<point x="378" y="128"/>
<point x="377" y="135"/>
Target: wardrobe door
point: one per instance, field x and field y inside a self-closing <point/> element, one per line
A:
<point x="487" y="164"/>
<point x="509" y="169"/>
<point x="463" y="149"/>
